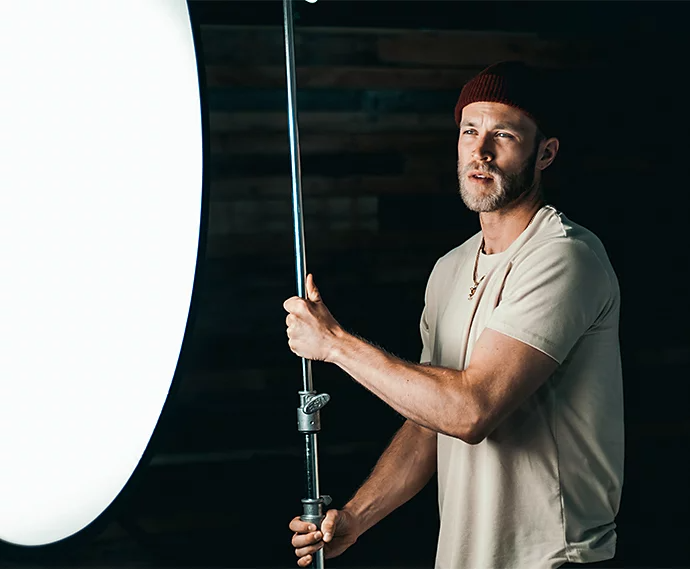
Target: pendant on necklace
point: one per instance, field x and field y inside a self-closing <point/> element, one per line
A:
<point x="473" y="288"/>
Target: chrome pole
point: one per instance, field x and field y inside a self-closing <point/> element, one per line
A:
<point x="308" y="413"/>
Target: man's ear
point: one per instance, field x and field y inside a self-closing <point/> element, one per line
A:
<point x="547" y="153"/>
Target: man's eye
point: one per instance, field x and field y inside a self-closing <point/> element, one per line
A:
<point x="504" y="135"/>
<point x="469" y="131"/>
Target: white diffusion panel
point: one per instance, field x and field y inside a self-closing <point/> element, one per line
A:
<point x="100" y="206"/>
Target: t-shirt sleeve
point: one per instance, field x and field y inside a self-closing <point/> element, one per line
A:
<point x="424" y="321"/>
<point x="425" y="358"/>
<point x="552" y="297"/>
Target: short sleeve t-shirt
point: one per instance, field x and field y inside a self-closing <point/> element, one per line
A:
<point x="544" y="487"/>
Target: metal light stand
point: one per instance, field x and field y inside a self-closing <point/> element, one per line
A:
<point x="308" y="413"/>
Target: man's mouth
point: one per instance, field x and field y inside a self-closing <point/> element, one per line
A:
<point x="479" y="176"/>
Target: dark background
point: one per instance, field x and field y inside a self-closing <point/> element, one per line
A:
<point x="225" y="473"/>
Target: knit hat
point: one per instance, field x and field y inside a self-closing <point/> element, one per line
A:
<point x="512" y="83"/>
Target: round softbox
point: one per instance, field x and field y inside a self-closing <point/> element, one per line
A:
<point x="100" y="218"/>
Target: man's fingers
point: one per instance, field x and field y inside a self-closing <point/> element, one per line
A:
<point x="306" y="539"/>
<point x="310" y="550"/>
<point x="294" y="304"/>
<point x="296" y="524"/>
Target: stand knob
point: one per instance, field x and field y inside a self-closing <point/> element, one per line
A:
<point x="313" y="404"/>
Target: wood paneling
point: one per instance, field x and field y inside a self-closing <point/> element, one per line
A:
<point x="279" y="244"/>
<point x="313" y="142"/>
<point x="342" y="76"/>
<point x="476" y="49"/>
<point x="274" y="186"/>
<point x="248" y="45"/>
<point x="324" y="121"/>
<point x="380" y="101"/>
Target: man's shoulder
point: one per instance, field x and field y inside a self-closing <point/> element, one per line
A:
<point x="561" y="242"/>
<point x="558" y="235"/>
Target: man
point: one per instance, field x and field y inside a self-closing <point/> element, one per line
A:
<point x="517" y="403"/>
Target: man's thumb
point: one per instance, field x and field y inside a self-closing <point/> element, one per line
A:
<point x="312" y="292"/>
<point x="328" y="525"/>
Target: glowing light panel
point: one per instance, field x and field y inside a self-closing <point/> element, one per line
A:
<point x="100" y="204"/>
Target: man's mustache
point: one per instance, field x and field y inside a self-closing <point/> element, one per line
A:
<point x="483" y="168"/>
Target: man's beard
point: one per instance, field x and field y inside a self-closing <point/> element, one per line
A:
<point x="507" y="188"/>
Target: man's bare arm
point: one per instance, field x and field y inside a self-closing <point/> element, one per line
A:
<point x="403" y="469"/>
<point x="467" y="404"/>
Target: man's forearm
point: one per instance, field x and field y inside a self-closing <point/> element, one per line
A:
<point x="403" y="470"/>
<point x="437" y="398"/>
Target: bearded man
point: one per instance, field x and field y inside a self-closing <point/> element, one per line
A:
<point x="517" y="402"/>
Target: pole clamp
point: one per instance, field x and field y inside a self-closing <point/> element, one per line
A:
<point x="308" y="416"/>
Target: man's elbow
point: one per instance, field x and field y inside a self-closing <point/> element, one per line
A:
<point x="472" y="435"/>
<point x="472" y="430"/>
<point x="468" y="411"/>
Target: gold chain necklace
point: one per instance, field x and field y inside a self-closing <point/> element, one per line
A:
<point x="474" y="287"/>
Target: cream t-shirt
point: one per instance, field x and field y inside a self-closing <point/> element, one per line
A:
<point x="545" y="486"/>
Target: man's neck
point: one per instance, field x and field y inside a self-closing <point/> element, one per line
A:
<point x="501" y="228"/>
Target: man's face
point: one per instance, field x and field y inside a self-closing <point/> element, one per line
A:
<point x="496" y="156"/>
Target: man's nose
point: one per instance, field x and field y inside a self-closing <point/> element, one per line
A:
<point x="483" y="151"/>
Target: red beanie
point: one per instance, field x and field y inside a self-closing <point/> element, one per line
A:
<point x="512" y="83"/>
